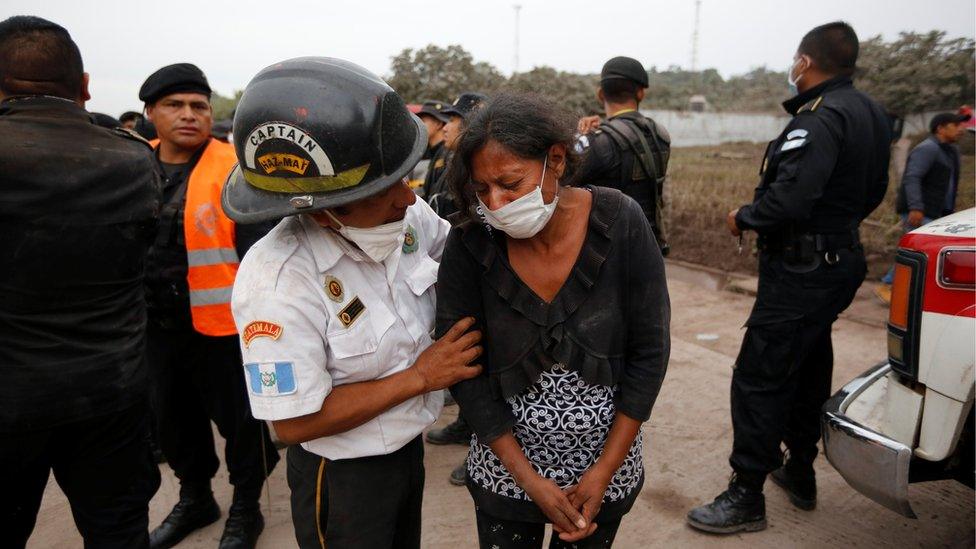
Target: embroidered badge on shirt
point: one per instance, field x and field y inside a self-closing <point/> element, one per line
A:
<point x="410" y="240"/>
<point x="271" y="378"/>
<point x="793" y="144"/>
<point x="260" y="328"/>
<point x="351" y="312"/>
<point x="334" y="288"/>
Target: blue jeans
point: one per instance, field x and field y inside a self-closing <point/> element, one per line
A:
<point x="889" y="277"/>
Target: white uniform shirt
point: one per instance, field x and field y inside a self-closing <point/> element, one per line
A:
<point x="314" y="312"/>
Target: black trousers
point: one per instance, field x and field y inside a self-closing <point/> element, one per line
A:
<point x="363" y="503"/>
<point x="495" y="533"/>
<point x="104" y="467"/>
<point x="783" y="372"/>
<point x="196" y="379"/>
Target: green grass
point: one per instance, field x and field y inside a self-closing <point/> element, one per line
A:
<point x="704" y="183"/>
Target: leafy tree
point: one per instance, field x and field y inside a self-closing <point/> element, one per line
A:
<point x="223" y="107"/>
<point x="440" y="73"/>
<point x="918" y="72"/>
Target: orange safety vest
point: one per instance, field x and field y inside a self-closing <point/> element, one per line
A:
<point x="210" y="250"/>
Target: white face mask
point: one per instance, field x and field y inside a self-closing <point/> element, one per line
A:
<point x="791" y="81"/>
<point x="376" y="242"/>
<point x="524" y="217"/>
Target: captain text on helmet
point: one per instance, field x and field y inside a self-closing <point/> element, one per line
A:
<point x="335" y="305"/>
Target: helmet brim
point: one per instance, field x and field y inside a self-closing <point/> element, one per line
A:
<point x="245" y="204"/>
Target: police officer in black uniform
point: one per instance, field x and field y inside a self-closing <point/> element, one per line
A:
<point x="437" y="192"/>
<point x="627" y="151"/>
<point x="435" y="156"/>
<point x="825" y="173"/>
<point x="78" y="206"/>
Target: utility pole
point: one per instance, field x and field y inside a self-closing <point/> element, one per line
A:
<point x="517" y="8"/>
<point x="694" y="38"/>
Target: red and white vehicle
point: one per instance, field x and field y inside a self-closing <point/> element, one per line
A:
<point x="910" y="418"/>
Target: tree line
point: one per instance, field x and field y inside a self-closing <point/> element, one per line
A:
<point x="917" y="72"/>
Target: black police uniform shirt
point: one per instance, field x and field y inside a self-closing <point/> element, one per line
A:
<point x="828" y="169"/>
<point x="78" y="206"/>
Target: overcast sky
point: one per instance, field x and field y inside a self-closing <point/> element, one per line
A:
<point x="123" y="41"/>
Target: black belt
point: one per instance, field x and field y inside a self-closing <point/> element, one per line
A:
<point x="825" y="242"/>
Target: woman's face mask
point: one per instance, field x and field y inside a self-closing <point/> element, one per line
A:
<point x="525" y="216"/>
<point x="376" y="242"/>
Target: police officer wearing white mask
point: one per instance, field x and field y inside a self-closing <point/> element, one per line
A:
<point x="335" y="305"/>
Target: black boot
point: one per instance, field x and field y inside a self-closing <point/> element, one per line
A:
<point x="196" y="509"/>
<point x="244" y="523"/>
<point x="456" y="432"/>
<point x="740" y="508"/>
<point x="460" y="474"/>
<point x="800" y="483"/>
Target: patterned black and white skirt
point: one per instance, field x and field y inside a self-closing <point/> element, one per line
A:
<point x="562" y="424"/>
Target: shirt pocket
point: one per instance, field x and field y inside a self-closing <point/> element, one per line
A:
<point x="420" y="280"/>
<point x="356" y="350"/>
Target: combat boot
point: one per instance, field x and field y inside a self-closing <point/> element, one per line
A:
<point x="244" y="523"/>
<point x="740" y="508"/>
<point x="456" y="432"/>
<point x="197" y="508"/>
<point x="800" y="483"/>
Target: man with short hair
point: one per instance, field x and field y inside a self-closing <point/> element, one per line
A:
<point x="432" y="164"/>
<point x="78" y="205"/>
<point x="130" y="119"/>
<point x="627" y="151"/>
<point x="193" y="354"/>
<point x="820" y="178"/>
<point x="931" y="181"/>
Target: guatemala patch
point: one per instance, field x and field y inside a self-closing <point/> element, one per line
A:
<point x="271" y="378"/>
<point x="260" y="328"/>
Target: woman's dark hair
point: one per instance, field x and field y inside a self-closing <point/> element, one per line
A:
<point x="525" y="124"/>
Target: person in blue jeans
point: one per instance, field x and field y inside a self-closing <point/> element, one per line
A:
<point x="931" y="181"/>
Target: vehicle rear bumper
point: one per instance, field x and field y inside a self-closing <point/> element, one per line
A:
<point x="870" y="462"/>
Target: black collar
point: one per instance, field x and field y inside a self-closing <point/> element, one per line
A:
<point x="793" y="104"/>
<point x="43" y="105"/>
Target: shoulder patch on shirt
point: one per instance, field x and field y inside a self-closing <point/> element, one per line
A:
<point x="351" y="312"/>
<point x="260" y="328"/>
<point x="793" y="144"/>
<point x="582" y="144"/>
<point x="800" y="132"/>
<point x="271" y="378"/>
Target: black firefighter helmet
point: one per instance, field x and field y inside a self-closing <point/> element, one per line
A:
<point x="317" y="132"/>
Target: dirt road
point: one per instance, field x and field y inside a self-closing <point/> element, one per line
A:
<point x="688" y="441"/>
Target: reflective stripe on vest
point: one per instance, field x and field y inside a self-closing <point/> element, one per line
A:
<point x="210" y="251"/>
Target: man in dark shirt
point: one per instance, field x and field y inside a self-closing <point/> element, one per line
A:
<point x="437" y="193"/>
<point x="628" y="151"/>
<point x="931" y="182"/>
<point x="78" y="205"/>
<point x="825" y="173"/>
<point x="193" y="351"/>
<point x="432" y="164"/>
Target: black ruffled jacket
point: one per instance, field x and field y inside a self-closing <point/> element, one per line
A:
<point x="609" y="322"/>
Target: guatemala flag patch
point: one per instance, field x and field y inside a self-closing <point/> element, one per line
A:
<point x="271" y="378"/>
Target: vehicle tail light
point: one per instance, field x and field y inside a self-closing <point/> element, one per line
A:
<point x="905" y="314"/>
<point x="957" y="268"/>
<point x="900" y="293"/>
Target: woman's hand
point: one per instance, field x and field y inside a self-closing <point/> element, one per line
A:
<point x="587" y="496"/>
<point x="555" y="505"/>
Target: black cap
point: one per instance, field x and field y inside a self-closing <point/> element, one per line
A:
<point x="944" y="118"/>
<point x="434" y="108"/>
<point x="626" y="68"/>
<point x="465" y="103"/>
<point x="181" y="77"/>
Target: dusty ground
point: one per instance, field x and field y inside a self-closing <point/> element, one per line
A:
<point x="689" y="436"/>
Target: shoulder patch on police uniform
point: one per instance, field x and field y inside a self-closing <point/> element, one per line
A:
<point x="797" y="133"/>
<point x="351" y="312"/>
<point x="129" y="134"/>
<point x="793" y="144"/>
<point x="260" y="328"/>
<point x="810" y="105"/>
<point x="271" y="378"/>
<point x="334" y="288"/>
